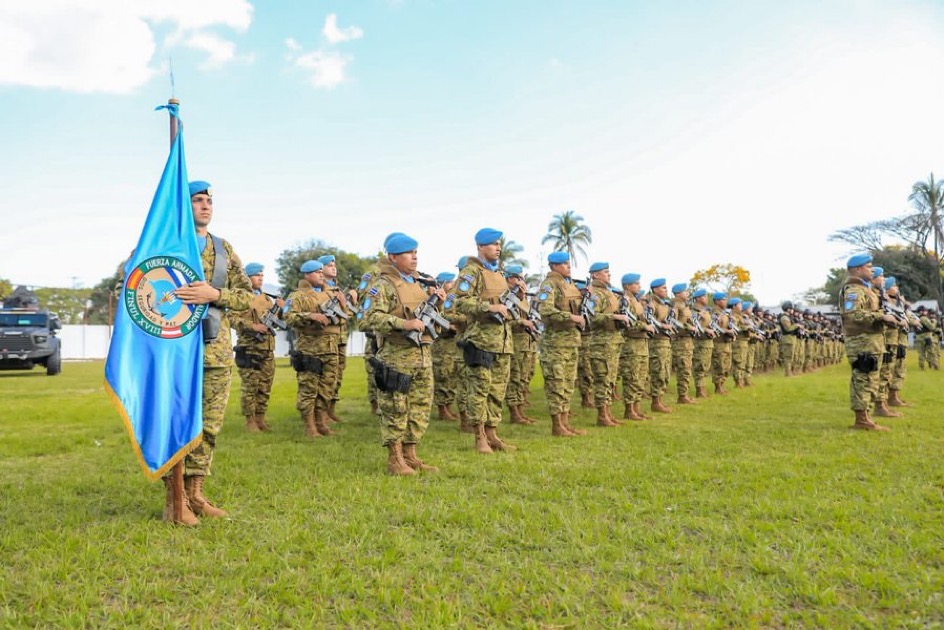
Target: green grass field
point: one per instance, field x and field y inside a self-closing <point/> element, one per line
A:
<point x="760" y="509"/>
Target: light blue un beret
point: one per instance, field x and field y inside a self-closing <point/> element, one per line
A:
<point x="658" y="282"/>
<point x="445" y="277"/>
<point x="719" y="295"/>
<point x="487" y="236"/>
<point x="734" y="301"/>
<point x="858" y="260"/>
<point x="746" y="305"/>
<point x="462" y="262"/>
<point x="699" y="292"/>
<point x="310" y="265"/>
<point x="390" y="236"/>
<point x="198" y="186"/>
<point x="678" y="288"/>
<point x="400" y="243"/>
<point x="630" y="278"/>
<point x="890" y="281"/>
<point x="514" y="270"/>
<point x="254" y="269"/>
<point x="556" y="258"/>
<point x="326" y="259"/>
<point x="599" y="266"/>
<point x="878" y="271"/>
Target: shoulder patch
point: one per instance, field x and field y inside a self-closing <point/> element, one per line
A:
<point x="373" y="291"/>
<point x="464" y="285"/>
<point x="450" y="300"/>
<point x="542" y="296"/>
<point x="546" y="288"/>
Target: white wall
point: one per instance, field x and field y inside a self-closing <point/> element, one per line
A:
<point x="91" y="342"/>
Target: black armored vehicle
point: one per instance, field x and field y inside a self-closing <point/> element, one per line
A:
<point x="28" y="334"/>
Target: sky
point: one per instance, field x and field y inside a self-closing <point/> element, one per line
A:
<point x="685" y="134"/>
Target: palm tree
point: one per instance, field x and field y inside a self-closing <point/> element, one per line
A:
<point x="510" y="251"/>
<point x="568" y="233"/>
<point x="928" y="199"/>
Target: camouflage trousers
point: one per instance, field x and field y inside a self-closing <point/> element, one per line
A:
<point x="863" y="389"/>
<point x="487" y="387"/>
<point x="342" y="363"/>
<point x="256" y="387"/>
<point x="934" y="353"/>
<point x="315" y="390"/>
<point x="404" y="417"/>
<point x="683" y="357"/>
<point x="446" y="360"/>
<point x="701" y="362"/>
<point x="660" y="365"/>
<point x="604" y="360"/>
<point x="773" y="354"/>
<point x="584" y="366"/>
<point x="216" y="383"/>
<point x="634" y="369"/>
<point x="559" y="368"/>
<point x="739" y="359"/>
<point x="787" y="353"/>
<point x="462" y="386"/>
<point x="522" y="371"/>
<point x="752" y="347"/>
<point x="898" y="372"/>
<point x="885" y="373"/>
<point x="799" y="355"/>
<point x="370" y="350"/>
<point x="721" y="362"/>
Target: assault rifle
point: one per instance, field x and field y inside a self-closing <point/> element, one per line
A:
<point x="588" y="308"/>
<point x="665" y="329"/>
<point x="271" y="319"/>
<point x="898" y="313"/>
<point x="334" y="311"/>
<point x="512" y="302"/>
<point x="628" y="312"/>
<point x="428" y="313"/>
<point x="535" y="316"/>
<point x="696" y="324"/>
<point x="754" y="328"/>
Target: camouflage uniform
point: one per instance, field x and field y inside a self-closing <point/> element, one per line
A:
<point x="701" y="355"/>
<point x="683" y="348"/>
<point x="740" y="348"/>
<point x="370" y="345"/>
<point x="477" y="288"/>
<point x="523" y="362"/>
<point x="585" y="368"/>
<point x="721" y="353"/>
<point x="788" y="342"/>
<point x="313" y="340"/>
<point x="863" y="326"/>
<point x="447" y="358"/>
<point x="605" y="344"/>
<point x="218" y="356"/>
<point x="390" y="301"/>
<point x="660" y="352"/>
<point x="259" y="352"/>
<point x="634" y="357"/>
<point x="559" y="299"/>
<point x="331" y="287"/>
<point x="924" y="340"/>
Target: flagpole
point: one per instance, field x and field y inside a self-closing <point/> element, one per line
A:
<point x="178" y="473"/>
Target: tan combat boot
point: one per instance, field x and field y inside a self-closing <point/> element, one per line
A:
<point x="602" y="419"/>
<point x="720" y="390"/>
<point x="491" y="434"/>
<point x="481" y="441"/>
<point x="701" y="392"/>
<point x="558" y="429"/>
<point x="609" y="414"/>
<point x="514" y="413"/>
<point x="894" y="399"/>
<point x="864" y="422"/>
<point x="565" y="418"/>
<point x="332" y="415"/>
<point x="445" y="413"/>
<point x="586" y="401"/>
<point x="187" y="517"/>
<point x="465" y="425"/>
<point x="251" y="425"/>
<point x="642" y="414"/>
<point x="311" y="429"/>
<point x="395" y="463"/>
<point x="882" y="410"/>
<point x="414" y="462"/>
<point x="524" y="415"/>
<point x="321" y="423"/>
<point x="658" y="406"/>
<point x="683" y="399"/>
<point x="200" y="504"/>
<point x="261" y="423"/>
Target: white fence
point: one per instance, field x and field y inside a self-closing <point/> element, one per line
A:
<point x="91" y="342"/>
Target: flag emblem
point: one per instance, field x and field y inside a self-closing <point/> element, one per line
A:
<point x="151" y="302"/>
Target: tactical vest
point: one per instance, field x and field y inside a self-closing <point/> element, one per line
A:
<point x="850" y="327"/>
<point x="409" y="296"/>
<point x="494" y="285"/>
<point x="607" y="303"/>
<point x="684" y="315"/>
<point x="310" y="301"/>
<point x="568" y="299"/>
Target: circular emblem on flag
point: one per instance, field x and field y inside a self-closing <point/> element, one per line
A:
<point x="150" y="300"/>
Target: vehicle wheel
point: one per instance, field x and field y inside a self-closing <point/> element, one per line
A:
<point x="54" y="364"/>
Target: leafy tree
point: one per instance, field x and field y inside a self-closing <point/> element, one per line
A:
<point x="5" y="288"/>
<point x="568" y="233"/>
<point x="732" y="279"/>
<point x="105" y="300"/>
<point x="350" y="266"/>
<point x="69" y="304"/>
<point x="510" y="251"/>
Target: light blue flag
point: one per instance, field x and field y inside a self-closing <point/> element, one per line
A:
<point x="154" y="370"/>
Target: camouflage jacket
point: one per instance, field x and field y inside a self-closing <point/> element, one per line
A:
<point x="235" y="295"/>
<point x="389" y="302"/>
<point x="242" y="322"/>
<point x="311" y="337"/>
<point x="476" y="289"/>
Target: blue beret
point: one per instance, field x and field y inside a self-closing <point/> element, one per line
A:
<point x="487" y="236"/>
<point x="400" y="243"/>
<point x="718" y="295"/>
<point x="310" y="265"/>
<point x="254" y="269"/>
<point x="599" y="266"/>
<point x="678" y="288"/>
<point x="462" y="262"/>
<point x="878" y="271"/>
<point x="890" y="281"/>
<point x="746" y="305"/>
<point x="197" y="187"/>
<point x="858" y="260"/>
<point x="630" y="278"/>
<point x="658" y="282"/>
<point x="734" y="301"/>
<point x="699" y="292"/>
<point x="514" y="270"/>
<point x="445" y="277"/>
<point x="390" y="236"/>
<point x="327" y="258"/>
<point x="556" y="258"/>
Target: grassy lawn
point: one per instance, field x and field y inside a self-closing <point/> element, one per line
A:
<point x="760" y="509"/>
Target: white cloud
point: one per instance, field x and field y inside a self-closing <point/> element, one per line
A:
<point x="109" y="45"/>
<point x="334" y="34"/>
<point x="292" y="44"/>
<point x="327" y="67"/>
